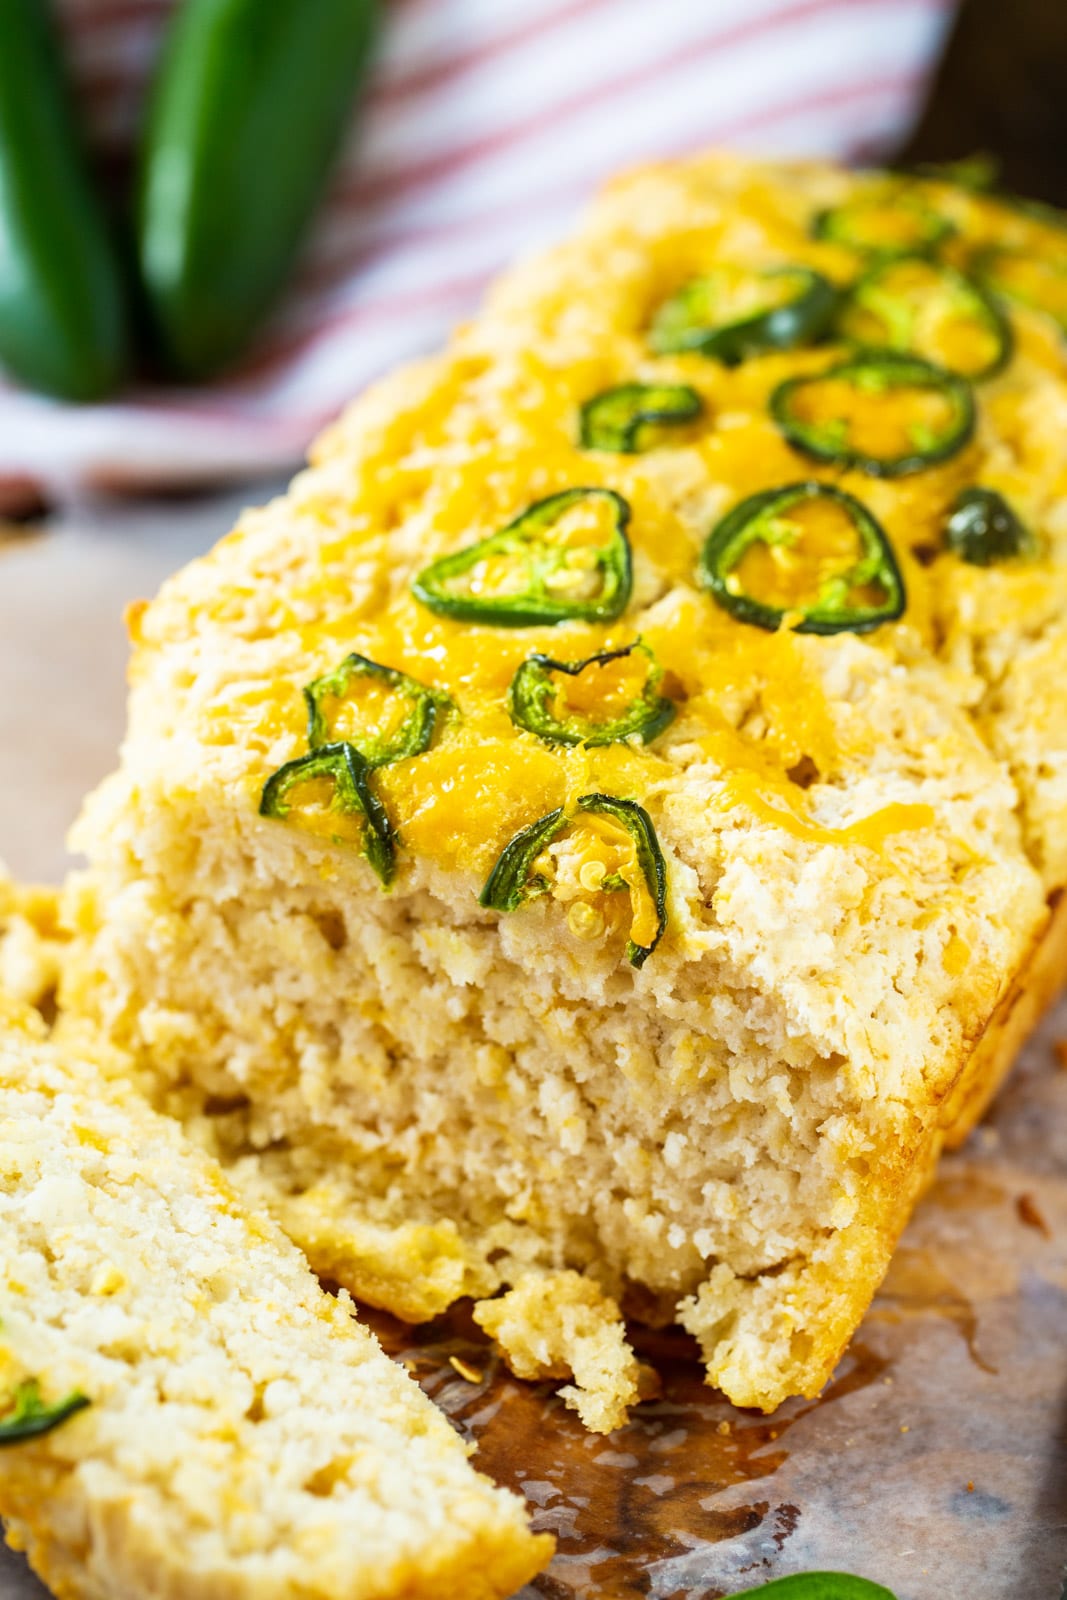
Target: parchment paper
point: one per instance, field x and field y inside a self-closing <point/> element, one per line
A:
<point x="936" y="1461"/>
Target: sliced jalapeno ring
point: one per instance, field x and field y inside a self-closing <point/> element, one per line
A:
<point x="649" y="897"/>
<point x="1027" y="278"/>
<point x="885" y="224"/>
<point x="27" y="1416"/>
<point x="808" y="555"/>
<point x="617" y="711"/>
<point x="927" y="309"/>
<point x="886" y="415"/>
<point x="627" y="419"/>
<point x="517" y="877"/>
<point x="735" y="312"/>
<point x="513" y="881"/>
<point x="339" y="805"/>
<point x="983" y="530"/>
<point x="396" y="719"/>
<point x="547" y="566"/>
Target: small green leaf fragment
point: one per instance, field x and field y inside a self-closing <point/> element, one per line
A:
<point x="28" y="1417"/>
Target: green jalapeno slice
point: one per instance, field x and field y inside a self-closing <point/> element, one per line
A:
<point x="513" y="879"/>
<point x="885" y="415"/>
<point x="733" y="312"/>
<point x="1026" y="278"/>
<point x="824" y="1586"/>
<point x="885" y="224"/>
<point x="808" y="555"/>
<point x="27" y="1417"/>
<point x="385" y="715"/>
<point x="616" y="850"/>
<point x="983" y="530"/>
<point x="557" y="562"/>
<point x="629" y="418"/>
<point x="326" y="793"/>
<point x="605" y="706"/>
<point x="927" y="309"/>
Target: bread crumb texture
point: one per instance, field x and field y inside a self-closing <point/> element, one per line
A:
<point x="245" y="1436"/>
<point x="32" y="943"/>
<point x="860" y="830"/>
<point x="562" y="1325"/>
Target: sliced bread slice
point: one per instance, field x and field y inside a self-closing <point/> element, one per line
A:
<point x="244" y="1436"/>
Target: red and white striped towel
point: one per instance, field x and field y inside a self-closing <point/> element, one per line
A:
<point x="487" y="124"/>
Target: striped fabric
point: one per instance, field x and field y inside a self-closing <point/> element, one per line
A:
<point x="489" y="122"/>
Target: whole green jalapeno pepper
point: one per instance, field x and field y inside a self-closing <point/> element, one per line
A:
<point x="246" y="116"/>
<point x="63" y="324"/>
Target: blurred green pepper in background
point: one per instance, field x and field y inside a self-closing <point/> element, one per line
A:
<point x="62" y="313"/>
<point x="248" y="110"/>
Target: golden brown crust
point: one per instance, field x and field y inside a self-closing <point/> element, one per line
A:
<point x="1033" y="989"/>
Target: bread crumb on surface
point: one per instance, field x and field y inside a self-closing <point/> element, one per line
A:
<point x="1030" y="1213"/>
<point x="563" y="1326"/>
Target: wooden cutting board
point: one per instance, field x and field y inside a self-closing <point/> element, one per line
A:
<point x="936" y="1460"/>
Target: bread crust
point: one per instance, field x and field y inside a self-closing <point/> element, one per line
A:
<point x="1035" y="986"/>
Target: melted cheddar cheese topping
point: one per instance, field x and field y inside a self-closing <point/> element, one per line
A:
<point x="449" y="454"/>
